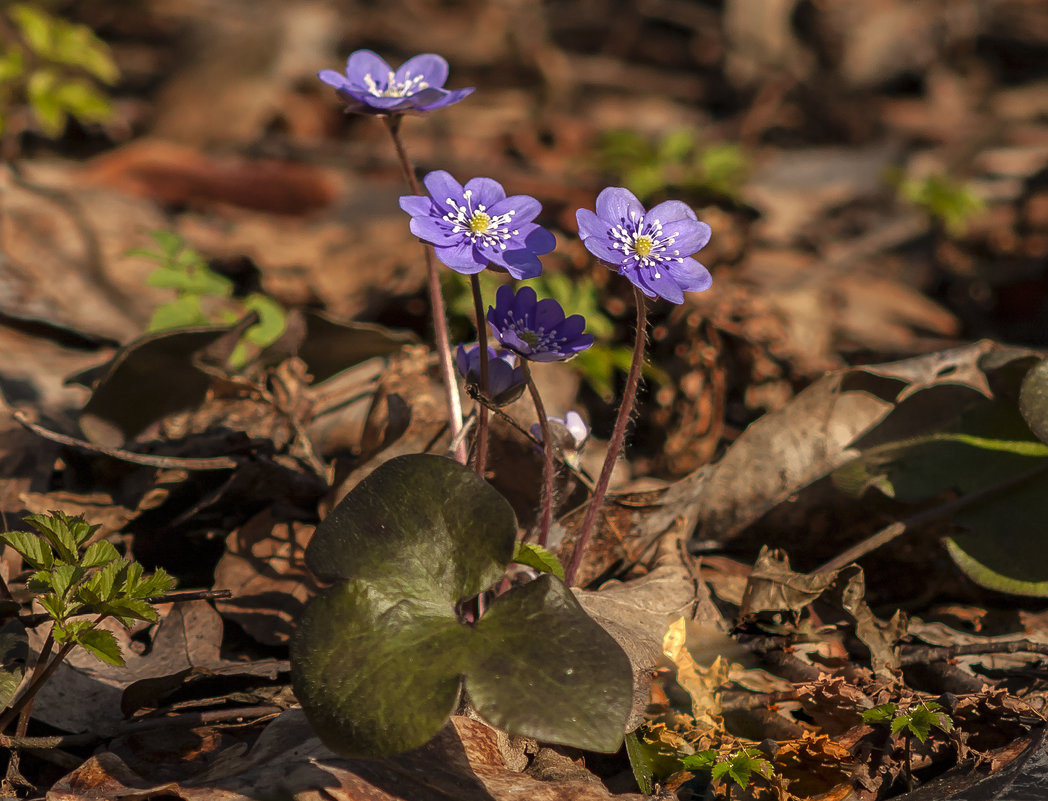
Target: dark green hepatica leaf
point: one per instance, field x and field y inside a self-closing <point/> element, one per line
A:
<point x="543" y="668"/>
<point x="1033" y="399"/>
<point x="379" y="659"/>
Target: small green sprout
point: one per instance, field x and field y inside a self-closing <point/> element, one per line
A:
<point x="675" y="161"/>
<point x="205" y="297"/>
<point x="917" y="722"/>
<point x="739" y="765"/>
<point x="79" y="584"/>
<point x="53" y="66"/>
<point x="950" y="202"/>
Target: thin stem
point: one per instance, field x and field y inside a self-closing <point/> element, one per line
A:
<point x="40" y="675"/>
<point x="547" y="457"/>
<point x="618" y="435"/>
<point x="482" y="344"/>
<point x="436" y="302"/>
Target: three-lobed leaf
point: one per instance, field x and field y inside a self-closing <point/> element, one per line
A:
<point x="380" y="659"/>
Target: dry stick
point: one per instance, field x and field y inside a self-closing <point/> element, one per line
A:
<point x="889" y="533"/>
<point x="547" y="457"/>
<point x="482" y="345"/>
<point x="618" y="434"/>
<point x="943" y="653"/>
<point x="436" y="302"/>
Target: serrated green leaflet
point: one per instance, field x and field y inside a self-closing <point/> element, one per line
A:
<point x="102" y="644"/>
<point x="30" y="547"/>
<point x="380" y="659"/>
<point x="533" y="555"/>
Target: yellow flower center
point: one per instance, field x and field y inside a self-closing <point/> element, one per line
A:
<point x="479" y="222"/>
<point x="642" y="247"/>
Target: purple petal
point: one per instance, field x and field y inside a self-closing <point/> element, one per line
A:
<point x="521" y="264"/>
<point x="691" y="236"/>
<point x="432" y="68"/>
<point x="462" y="360"/>
<point x="599" y="247"/>
<point x="451" y="97"/>
<point x="524" y="208"/>
<point x="460" y="258"/>
<point x="364" y="63"/>
<point x="435" y="231"/>
<point x="664" y="286"/>
<point x="671" y="211"/>
<point x="485" y="191"/>
<point x="616" y="203"/>
<point x="332" y="78"/>
<point x="572" y="327"/>
<point x="384" y="103"/>
<point x="524" y="304"/>
<point x="417" y="205"/>
<point x="442" y="186"/>
<point x="503" y="302"/>
<point x="690" y="276"/>
<point x="548" y="315"/>
<point x="590" y="225"/>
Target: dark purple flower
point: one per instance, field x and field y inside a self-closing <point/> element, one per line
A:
<point x="505" y="380"/>
<point x="475" y="225"/>
<point x="370" y="86"/>
<point x="536" y="329"/>
<point x="652" y="249"/>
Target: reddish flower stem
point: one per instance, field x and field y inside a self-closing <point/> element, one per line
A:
<point x="546" y="517"/>
<point x="482" y="344"/>
<point x="436" y="302"/>
<point x="618" y="435"/>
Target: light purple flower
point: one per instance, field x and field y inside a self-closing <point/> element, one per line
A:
<point x="370" y="86"/>
<point x="475" y="225"/>
<point x="652" y="249"/>
<point x="536" y="329"/>
<point x="569" y="432"/>
<point x="505" y="379"/>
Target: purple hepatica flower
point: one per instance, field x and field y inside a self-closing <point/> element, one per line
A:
<point x="652" y="249"/>
<point x="473" y="225"/>
<point x="536" y="329"/>
<point x="505" y="380"/>
<point x="371" y="87"/>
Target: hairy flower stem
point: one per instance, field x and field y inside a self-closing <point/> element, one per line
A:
<point x="482" y="410"/>
<point x="618" y="435"/>
<point x="436" y="302"/>
<point x="547" y="457"/>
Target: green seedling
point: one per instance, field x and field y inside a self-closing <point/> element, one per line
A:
<point x="204" y="297"/>
<point x="918" y="722"/>
<point x="739" y="766"/>
<point x="79" y="584"/>
<point x="53" y="67"/>
<point x="951" y="203"/>
<point x="676" y="160"/>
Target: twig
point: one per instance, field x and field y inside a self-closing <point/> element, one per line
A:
<point x="937" y="653"/>
<point x="889" y="533"/>
<point x="164" y="462"/>
<point x="547" y="457"/>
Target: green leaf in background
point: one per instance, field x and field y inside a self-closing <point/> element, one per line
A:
<point x="185" y="312"/>
<point x="30" y="547"/>
<point x="534" y="555"/>
<point x="83" y="101"/>
<point x="879" y="714"/>
<point x="35" y="25"/>
<point x="272" y="319"/>
<point x="379" y="659"/>
<point x="12" y="64"/>
<point x="43" y="99"/>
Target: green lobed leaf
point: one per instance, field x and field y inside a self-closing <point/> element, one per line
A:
<point x="703" y="760"/>
<point x="102" y="644"/>
<point x="379" y="659"/>
<point x="534" y="555"/>
<point x="64" y="533"/>
<point x="12" y="64"/>
<point x="31" y="547"/>
<point x="719" y="770"/>
<point x="418" y="521"/>
<point x="271" y="319"/>
<point x="82" y="100"/>
<point x="546" y="669"/>
<point x="155" y="585"/>
<point x="47" y="108"/>
<point x="78" y="46"/>
<point x="185" y="312"/>
<point x="899" y="723"/>
<point x="63" y="577"/>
